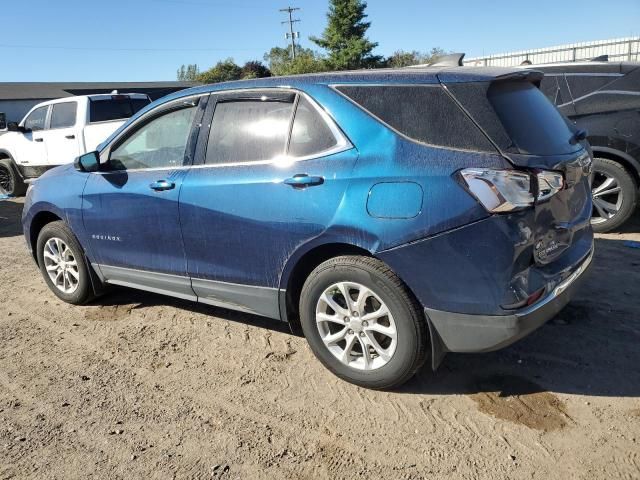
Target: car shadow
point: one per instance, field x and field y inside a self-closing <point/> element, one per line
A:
<point x="10" y="215"/>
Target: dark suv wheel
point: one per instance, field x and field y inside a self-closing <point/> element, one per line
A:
<point x="10" y="181"/>
<point x="362" y="323"/>
<point x="615" y="194"/>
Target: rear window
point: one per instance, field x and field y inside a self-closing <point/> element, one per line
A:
<point x="424" y="113"/>
<point x="516" y="116"/>
<point x="534" y="125"/>
<point x="115" y="109"/>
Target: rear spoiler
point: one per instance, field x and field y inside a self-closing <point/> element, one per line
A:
<point x="450" y="60"/>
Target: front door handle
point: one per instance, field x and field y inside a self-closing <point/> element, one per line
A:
<point x="70" y="137"/>
<point x="162" y="185"/>
<point x="302" y="180"/>
<point x="38" y="139"/>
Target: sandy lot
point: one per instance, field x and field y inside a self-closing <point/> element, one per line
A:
<point x="143" y="386"/>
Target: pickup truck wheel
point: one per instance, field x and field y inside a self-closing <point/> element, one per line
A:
<point x="61" y="261"/>
<point x="614" y="193"/>
<point x="362" y="322"/>
<point x="10" y="180"/>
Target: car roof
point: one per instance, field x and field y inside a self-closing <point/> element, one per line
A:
<point x="410" y="76"/>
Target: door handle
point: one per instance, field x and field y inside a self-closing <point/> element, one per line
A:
<point x="302" y="180"/>
<point x="162" y="185"/>
<point x="38" y="139"/>
<point x="70" y="137"/>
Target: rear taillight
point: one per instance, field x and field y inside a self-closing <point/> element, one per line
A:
<point x="510" y="190"/>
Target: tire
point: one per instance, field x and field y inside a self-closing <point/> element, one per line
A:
<point x="51" y="237"/>
<point x="10" y="180"/>
<point x="611" y="210"/>
<point x="388" y="364"/>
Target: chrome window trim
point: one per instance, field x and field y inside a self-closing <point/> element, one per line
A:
<point x="343" y="143"/>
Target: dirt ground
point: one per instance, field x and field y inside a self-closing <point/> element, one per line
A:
<point x="138" y="385"/>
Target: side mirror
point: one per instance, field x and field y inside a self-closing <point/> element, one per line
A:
<point x="13" y="127"/>
<point x="89" y="162"/>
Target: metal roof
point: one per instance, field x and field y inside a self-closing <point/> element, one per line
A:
<point x="51" y="90"/>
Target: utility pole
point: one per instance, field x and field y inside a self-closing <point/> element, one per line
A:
<point x="291" y="34"/>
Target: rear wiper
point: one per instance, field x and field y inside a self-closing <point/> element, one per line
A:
<point x="579" y="136"/>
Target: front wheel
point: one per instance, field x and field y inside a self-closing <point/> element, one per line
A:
<point x="614" y="193"/>
<point x="10" y="181"/>
<point x="62" y="264"/>
<point x="363" y="323"/>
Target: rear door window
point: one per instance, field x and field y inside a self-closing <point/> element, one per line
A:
<point x="248" y="131"/>
<point x="310" y="135"/>
<point x="424" y="113"/>
<point x="63" y="115"/>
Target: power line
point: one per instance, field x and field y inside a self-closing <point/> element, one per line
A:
<point x="291" y="34"/>
<point x="116" y="49"/>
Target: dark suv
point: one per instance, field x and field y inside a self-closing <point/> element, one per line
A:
<point x="604" y="99"/>
<point x="397" y="214"/>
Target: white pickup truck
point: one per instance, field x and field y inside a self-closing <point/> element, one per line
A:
<point x="56" y="132"/>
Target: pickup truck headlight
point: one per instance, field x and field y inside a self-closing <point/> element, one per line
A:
<point x="510" y="190"/>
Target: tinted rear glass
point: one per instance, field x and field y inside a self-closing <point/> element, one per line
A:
<point x="532" y="123"/>
<point x="110" y="109"/>
<point x="423" y="113"/>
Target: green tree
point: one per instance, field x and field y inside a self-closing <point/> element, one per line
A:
<point x="188" y="73"/>
<point x="307" y="61"/>
<point x="255" y="69"/>
<point x="223" y="71"/>
<point x="345" y="39"/>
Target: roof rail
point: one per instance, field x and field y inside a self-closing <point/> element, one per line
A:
<point x="450" y="60"/>
<point x="601" y="58"/>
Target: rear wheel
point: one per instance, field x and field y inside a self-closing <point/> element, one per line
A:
<point x="614" y="192"/>
<point x="10" y="181"/>
<point x="362" y="323"/>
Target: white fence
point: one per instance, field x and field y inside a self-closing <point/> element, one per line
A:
<point x="618" y="49"/>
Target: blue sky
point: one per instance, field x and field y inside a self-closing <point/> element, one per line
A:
<point x="139" y="40"/>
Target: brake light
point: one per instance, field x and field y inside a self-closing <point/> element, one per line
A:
<point x="119" y="97"/>
<point x="499" y="190"/>
<point x="511" y="190"/>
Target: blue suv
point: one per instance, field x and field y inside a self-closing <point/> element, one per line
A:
<point x="395" y="214"/>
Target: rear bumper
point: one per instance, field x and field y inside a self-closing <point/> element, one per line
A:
<point x="460" y="332"/>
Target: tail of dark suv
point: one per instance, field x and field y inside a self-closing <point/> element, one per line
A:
<point x="603" y="98"/>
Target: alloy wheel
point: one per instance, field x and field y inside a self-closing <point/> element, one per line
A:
<point x="356" y="326"/>
<point x="61" y="265"/>
<point x="607" y="196"/>
<point x="6" y="180"/>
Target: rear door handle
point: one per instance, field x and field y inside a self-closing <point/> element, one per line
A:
<point x="70" y="137"/>
<point x="38" y="139"/>
<point x="162" y="185"/>
<point x="303" y="180"/>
